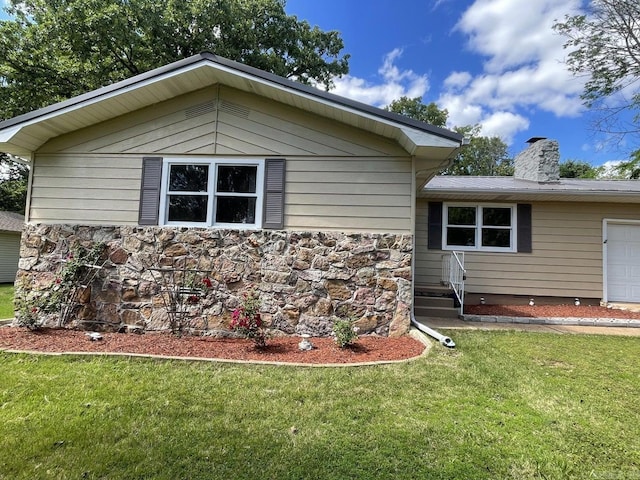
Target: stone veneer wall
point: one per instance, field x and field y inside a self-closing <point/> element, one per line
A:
<point x="304" y="279"/>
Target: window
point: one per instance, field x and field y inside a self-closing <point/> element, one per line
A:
<point x="479" y="227"/>
<point x="212" y="192"/>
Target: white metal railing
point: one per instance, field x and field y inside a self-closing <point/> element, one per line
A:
<point x="454" y="274"/>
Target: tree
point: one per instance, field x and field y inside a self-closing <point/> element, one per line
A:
<point x="605" y="46"/>
<point x="629" y="169"/>
<point x="53" y="50"/>
<point x="483" y="156"/>
<point x="414" y="108"/>
<point x="13" y="185"/>
<point x="579" y="169"/>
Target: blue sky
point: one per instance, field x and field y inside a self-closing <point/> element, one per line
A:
<point x="497" y="63"/>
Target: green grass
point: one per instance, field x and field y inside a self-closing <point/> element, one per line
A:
<point x="6" y="300"/>
<point x="501" y="405"/>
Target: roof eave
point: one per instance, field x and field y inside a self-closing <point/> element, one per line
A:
<point x="417" y="138"/>
<point x="471" y="194"/>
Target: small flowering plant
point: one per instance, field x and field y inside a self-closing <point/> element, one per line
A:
<point x="196" y="289"/>
<point x="345" y="332"/>
<point x="246" y="320"/>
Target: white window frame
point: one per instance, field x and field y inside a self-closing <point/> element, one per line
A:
<point x="478" y="227"/>
<point x="213" y="164"/>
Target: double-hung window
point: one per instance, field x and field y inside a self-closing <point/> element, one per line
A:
<point x="212" y="192"/>
<point x="479" y="227"/>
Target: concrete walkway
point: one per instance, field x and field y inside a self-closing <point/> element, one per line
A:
<point x="456" y="324"/>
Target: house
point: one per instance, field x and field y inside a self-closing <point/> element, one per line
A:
<point x="10" y="229"/>
<point x="533" y="235"/>
<point x="268" y="184"/>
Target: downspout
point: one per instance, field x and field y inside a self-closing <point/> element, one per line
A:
<point x="446" y="341"/>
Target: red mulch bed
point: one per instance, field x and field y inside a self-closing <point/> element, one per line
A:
<point x="565" y="311"/>
<point x="279" y="349"/>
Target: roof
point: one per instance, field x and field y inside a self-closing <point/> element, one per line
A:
<point x="24" y="134"/>
<point x="448" y="187"/>
<point x="11" y="222"/>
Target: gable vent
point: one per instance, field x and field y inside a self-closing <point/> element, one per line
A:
<point x="201" y="109"/>
<point x="235" y="109"/>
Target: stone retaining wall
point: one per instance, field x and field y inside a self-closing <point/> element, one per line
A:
<point x="305" y="280"/>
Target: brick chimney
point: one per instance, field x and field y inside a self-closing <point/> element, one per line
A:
<point x="539" y="162"/>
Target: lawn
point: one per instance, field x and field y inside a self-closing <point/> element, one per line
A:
<point x="6" y="300"/>
<point x="501" y="405"/>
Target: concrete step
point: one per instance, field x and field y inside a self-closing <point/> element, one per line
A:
<point x="440" y="312"/>
<point x="425" y="301"/>
<point x="432" y="291"/>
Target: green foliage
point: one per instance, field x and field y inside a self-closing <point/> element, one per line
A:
<point x="344" y="332"/>
<point x="502" y="405"/>
<point x="629" y="169"/>
<point x="414" y="108"/>
<point x="51" y="51"/>
<point x="579" y="169"/>
<point x="484" y="156"/>
<point x="605" y="46"/>
<point x="6" y="301"/>
<point x="13" y="185"/>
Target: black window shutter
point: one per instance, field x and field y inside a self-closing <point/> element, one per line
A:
<point x="150" y="191"/>
<point x="435" y="226"/>
<point x="274" y="181"/>
<point x="524" y="228"/>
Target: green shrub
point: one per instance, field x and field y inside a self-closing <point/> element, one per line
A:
<point x="345" y="332"/>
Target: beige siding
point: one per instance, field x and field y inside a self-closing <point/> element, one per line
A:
<point x="566" y="258"/>
<point x="223" y="121"/>
<point x="178" y="126"/>
<point x="9" y="254"/>
<point x="87" y="189"/>
<point x="370" y="194"/>
<point x="357" y="194"/>
<point x="337" y="177"/>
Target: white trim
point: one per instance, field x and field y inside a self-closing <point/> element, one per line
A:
<point x="415" y="137"/>
<point x="605" y="246"/>
<point x="478" y="227"/>
<point x="95" y="99"/>
<point x="213" y="163"/>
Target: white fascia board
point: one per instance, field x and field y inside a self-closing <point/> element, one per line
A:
<point x="7" y="134"/>
<point x="419" y="139"/>
<point x="416" y="138"/>
<point x="410" y="138"/>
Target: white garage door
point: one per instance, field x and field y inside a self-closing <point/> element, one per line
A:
<point x="623" y="263"/>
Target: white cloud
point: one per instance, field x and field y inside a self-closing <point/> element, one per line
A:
<point x="394" y="84"/>
<point x="457" y="80"/>
<point x="523" y="67"/>
<point x="504" y="125"/>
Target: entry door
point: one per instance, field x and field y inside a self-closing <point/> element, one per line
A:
<point x="623" y="263"/>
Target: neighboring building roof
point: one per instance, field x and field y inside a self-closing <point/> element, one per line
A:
<point x="24" y="134"/>
<point x="11" y="222"/>
<point x="449" y="187"/>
